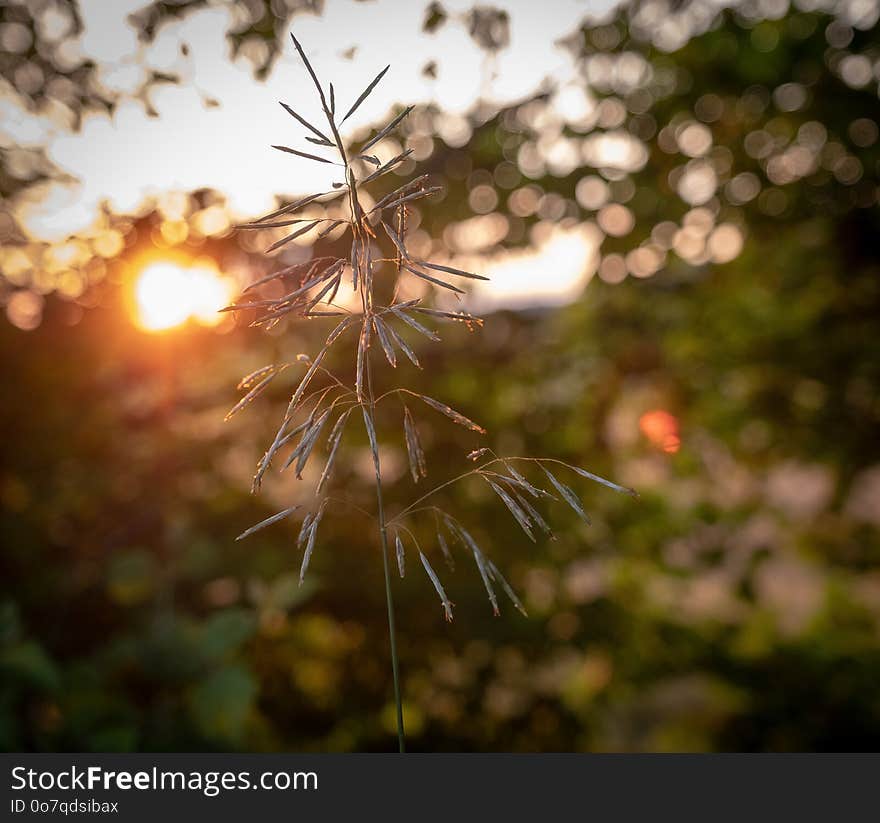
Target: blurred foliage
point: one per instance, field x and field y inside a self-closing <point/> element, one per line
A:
<point x="735" y="607"/>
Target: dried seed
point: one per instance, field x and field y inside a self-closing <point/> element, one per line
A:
<point x="267" y="522"/>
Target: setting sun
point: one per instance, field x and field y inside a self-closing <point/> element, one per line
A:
<point x="168" y="294"/>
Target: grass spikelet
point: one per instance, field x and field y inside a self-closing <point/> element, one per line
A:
<point x="519" y="515"/>
<point x="310" y="541"/>
<point x="401" y="555"/>
<point x="414" y="324"/>
<point x="323" y="137"/>
<point x="568" y="495"/>
<point x="414" y="449"/>
<point x="451" y="413"/>
<point x="365" y="94"/>
<point x="267" y="522"/>
<point x="444" y="600"/>
<point x="255" y="376"/>
<point x="402" y="345"/>
<point x="333" y="444"/>
<point x="508" y="589"/>
<point x="255" y="392"/>
<point x="385" y="341"/>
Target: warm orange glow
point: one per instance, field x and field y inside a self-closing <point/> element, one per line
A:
<point x="168" y="294"/>
<point x="661" y="428"/>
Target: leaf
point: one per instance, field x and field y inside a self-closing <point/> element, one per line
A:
<point x="365" y="93"/>
<point x="447" y="605"/>
<point x="306" y="123"/>
<point x="414" y="449"/>
<point x="305" y="154"/>
<point x="568" y="495"/>
<point x="267" y="522"/>
<point x="401" y="556"/>
<point x="451" y="413"/>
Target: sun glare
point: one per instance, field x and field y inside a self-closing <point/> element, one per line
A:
<point x="168" y="294"/>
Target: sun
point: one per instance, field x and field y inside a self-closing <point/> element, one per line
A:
<point x="168" y="294"/>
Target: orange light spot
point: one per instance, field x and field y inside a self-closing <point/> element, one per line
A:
<point x="661" y="429"/>
<point x="168" y="294"/>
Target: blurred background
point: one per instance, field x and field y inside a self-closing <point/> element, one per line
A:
<point x="677" y="203"/>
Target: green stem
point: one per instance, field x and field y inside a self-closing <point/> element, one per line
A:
<point x="389" y="599"/>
